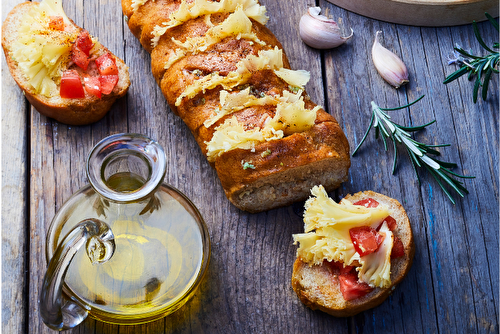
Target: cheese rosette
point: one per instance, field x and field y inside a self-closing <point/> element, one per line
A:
<point x="326" y="237"/>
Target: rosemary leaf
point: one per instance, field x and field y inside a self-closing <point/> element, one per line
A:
<point x="421" y="154"/>
<point x="475" y="65"/>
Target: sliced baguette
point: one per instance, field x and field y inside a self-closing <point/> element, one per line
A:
<point x="69" y="111"/>
<point x="318" y="286"/>
<point x="274" y="173"/>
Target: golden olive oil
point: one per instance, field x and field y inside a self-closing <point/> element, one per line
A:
<point x="158" y="255"/>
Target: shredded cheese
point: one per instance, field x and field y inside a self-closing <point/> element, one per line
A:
<point x="138" y="3"/>
<point x="326" y="237"/>
<point x="232" y="102"/>
<point x="197" y="8"/>
<point x="40" y="52"/>
<point x="266" y="59"/>
<point x="232" y="135"/>
<point x="237" y="24"/>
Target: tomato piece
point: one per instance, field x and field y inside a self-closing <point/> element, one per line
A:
<point x="106" y="65"/>
<point x="93" y="86"/>
<point x="80" y="58"/>
<point x="351" y="287"/>
<point x="392" y="224"/>
<point x="398" y="249"/>
<point x="56" y="23"/>
<point x="71" y="86"/>
<point x="108" y="82"/>
<point x="365" y="239"/>
<point x="84" y="42"/>
<point x="367" y="203"/>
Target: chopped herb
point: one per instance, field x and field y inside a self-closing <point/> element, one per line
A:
<point x="247" y="164"/>
<point x="293" y="89"/>
<point x="265" y="153"/>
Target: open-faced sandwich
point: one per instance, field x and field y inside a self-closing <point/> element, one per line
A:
<point x="352" y="253"/>
<point x="65" y="73"/>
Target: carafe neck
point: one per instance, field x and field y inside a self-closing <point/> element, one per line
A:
<point x="126" y="168"/>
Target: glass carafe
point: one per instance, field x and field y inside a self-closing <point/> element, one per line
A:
<point x="127" y="248"/>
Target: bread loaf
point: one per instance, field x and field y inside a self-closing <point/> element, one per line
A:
<point x="29" y="23"/>
<point x="226" y="75"/>
<point x="318" y="286"/>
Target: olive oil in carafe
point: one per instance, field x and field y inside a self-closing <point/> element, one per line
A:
<point x="157" y="257"/>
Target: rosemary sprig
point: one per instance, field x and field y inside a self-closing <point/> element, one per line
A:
<point x="421" y="155"/>
<point x="481" y="67"/>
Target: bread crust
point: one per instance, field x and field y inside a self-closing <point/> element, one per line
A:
<point x="290" y="166"/>
<point x="69" y="111"/>
<point x="318" y="286"/>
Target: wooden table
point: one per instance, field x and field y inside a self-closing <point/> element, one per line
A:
<point x="453" y="284"/>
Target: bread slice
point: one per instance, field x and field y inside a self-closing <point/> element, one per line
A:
<point x="69" y="111"/>
<point x="318" y="286"/>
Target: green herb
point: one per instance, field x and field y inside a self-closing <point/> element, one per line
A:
<point x="420" y="153"/>
<point x="481" y="67"/>
<point x="247" y="165"/>
<point x="293" y="89"/>
<point x="266" y="153"/>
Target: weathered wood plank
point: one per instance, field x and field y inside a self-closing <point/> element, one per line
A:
<point x="15" y="196"/>
<point x="453" y="285"/>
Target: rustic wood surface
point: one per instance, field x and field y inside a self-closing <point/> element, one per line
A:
<point x="453" y="284"/>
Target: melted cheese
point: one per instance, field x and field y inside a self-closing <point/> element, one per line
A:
<point x="197" y="8"/>
<point x="232" y="102"/>
<point x="138" y="3"/>
<point x="266" y="59"/>
<point x="326" y="237"/>
<point x="232" y="134"/>
<point x="237" y="24"/>
<point x="40" y="52"/>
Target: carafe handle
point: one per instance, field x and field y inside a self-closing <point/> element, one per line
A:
<point x="56" y="312"/>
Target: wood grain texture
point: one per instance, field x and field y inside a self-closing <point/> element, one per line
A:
<point x="15" y="197"/>
<point x="453" y="284"/>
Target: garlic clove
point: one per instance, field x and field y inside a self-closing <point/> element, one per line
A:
<point x="390" y="67"/>
<point x="320" y="32"/>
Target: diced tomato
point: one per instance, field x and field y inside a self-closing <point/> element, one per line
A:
<point x="351" y="287"/>
<point x="367" y="203"/>
<point x="93" y="86"/>
<point x="71" y="86"/>
<point x="56" y="23"/>
<point x="106" y="65"/>
<point x="365" y="239"/>
<point x="398" y="249"/>
<point x="80" y="58"/>
<point x="84" y="42"/>
<point x="108" y="82"/>
<point x="392" y="224"/>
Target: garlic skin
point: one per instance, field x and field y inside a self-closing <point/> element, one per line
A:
<point x="390" y="67"/>
<point x="320" y="32"/>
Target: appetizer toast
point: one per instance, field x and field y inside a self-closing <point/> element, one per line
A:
<point x="226" y="75"/>
<point x="65" y="73"/>
<point x="345" y="280"/>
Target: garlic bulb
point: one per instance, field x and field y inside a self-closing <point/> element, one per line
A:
<point x="390" y="67"/>
<point x="320" y="32"/>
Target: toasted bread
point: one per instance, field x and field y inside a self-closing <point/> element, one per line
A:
<point x="318" y="286"/>
<point x="77" y="111"/>
<point x="272" y="173"/>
